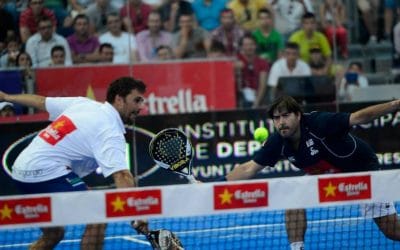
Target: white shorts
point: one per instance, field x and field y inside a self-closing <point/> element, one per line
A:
<point x="377" y="209"/>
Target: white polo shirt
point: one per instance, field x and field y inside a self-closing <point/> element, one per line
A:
<point x="84" y="134"/>
<point x="280" y="69"/>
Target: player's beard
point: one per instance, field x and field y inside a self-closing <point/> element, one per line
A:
<point x="130" y="119"/>
<point x="286" y="131"/>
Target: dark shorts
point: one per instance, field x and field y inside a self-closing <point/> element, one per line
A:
<point x="67" y="183"/>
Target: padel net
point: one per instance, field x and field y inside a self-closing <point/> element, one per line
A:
<point x="223" y="215"/>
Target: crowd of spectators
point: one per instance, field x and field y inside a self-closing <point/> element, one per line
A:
<point x="266" y="38"/>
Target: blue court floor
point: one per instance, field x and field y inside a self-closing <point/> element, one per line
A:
<point x="328" y="228"/>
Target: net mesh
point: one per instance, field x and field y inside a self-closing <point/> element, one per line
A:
<point x="243" y="221"/>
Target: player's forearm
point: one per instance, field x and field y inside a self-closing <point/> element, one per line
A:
<point x="123" y="179"/>
<point x="244" y="171"/>
<point x="36" y="101"/>
<point x="370" y="113"/>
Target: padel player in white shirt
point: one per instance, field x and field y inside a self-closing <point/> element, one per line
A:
<point x="84" y="134"/>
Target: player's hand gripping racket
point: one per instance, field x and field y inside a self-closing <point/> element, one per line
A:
<point x="171" y="149"/>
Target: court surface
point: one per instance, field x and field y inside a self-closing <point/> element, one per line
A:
<point x="328" y="228"/>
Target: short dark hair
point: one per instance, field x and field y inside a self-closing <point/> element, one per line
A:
<point x="247" y="36"/>
<point x="264" y="11"/>
<point x="105" y="45"/>
<point x="80" y="16"/>
<point x="45" y="19"/>
<point x="163" y="47"/>
<point x="57" y="48"/>
<point x="123" y="87"/>
<point x="308" y="15"/>
<point x="226" y="10"/>
<point x="356" y="63"/>
<point x="284" y="102"/>
<point x="292" y="45"/>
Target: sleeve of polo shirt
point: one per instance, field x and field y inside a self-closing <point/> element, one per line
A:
<point x="273" y="74"/>
<point x="110" y="154"/>
<point x="325" y="47"/>
<point x="326" y="124"/>
<point x="56" y="105"/>
<point x="270" y="152"/>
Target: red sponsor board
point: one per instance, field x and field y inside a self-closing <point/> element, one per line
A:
<point x="176" y="87"/>
<point x="344" y="188"/>
<point x="28" y="210"/>
<point x="231" y="196"/>
<point x="57" y="130"/>
<point x="119" y="204"/>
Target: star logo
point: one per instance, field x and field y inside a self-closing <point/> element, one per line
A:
<point x="118" y="204"/>
<point x="330" y="190"/>
<point x="59" y="124"/>
<point x="5" y="212"/>
<point x="226" y="197"/>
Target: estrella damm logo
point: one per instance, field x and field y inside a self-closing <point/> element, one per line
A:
<point x="26" y="210"/>
<point x="344" y="188"/>
<point x="57" y="130"/>
<point x="131" y="203"/>
<point x="247" y="195"/>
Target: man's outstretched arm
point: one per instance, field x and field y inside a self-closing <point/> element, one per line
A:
<point x="29" y="100"/>
<point x="370" y="113"/>
<point x="244" y="171"/>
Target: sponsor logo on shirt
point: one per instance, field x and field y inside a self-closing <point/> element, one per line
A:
<point x="29" y="210"/>
<point x="344" y="188"/>
<point x="310" y="144"/>
<point x="57" y="130"/>
<point x="132" y="203"/>
<point x="241" y="195"/>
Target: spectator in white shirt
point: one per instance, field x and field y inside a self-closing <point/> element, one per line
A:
<point x="40" y="44"/>
<point x="124" y="44"/>
<point x="289" y="65"/>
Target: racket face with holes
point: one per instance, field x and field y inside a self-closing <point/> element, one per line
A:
<point x="171" y="149"/>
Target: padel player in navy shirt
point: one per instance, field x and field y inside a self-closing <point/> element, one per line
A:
<point x="318" y="143"/>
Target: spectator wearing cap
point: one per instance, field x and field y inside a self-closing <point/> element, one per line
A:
<point x="228" y="33"/>
<point x="29" y="19"/>
<point x="84" y="46"/>
<point x="40" y="44"/>
<point x="308" y="37"/>
<point x="6" y="109"/>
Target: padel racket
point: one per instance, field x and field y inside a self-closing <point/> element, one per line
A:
<point x="171" y="149"/>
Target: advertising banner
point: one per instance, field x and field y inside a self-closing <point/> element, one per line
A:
<point x="220" y="140"/>
<point x="172" y="88"/>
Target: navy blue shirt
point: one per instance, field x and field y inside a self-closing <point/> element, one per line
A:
<point x="326" y="146"/>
